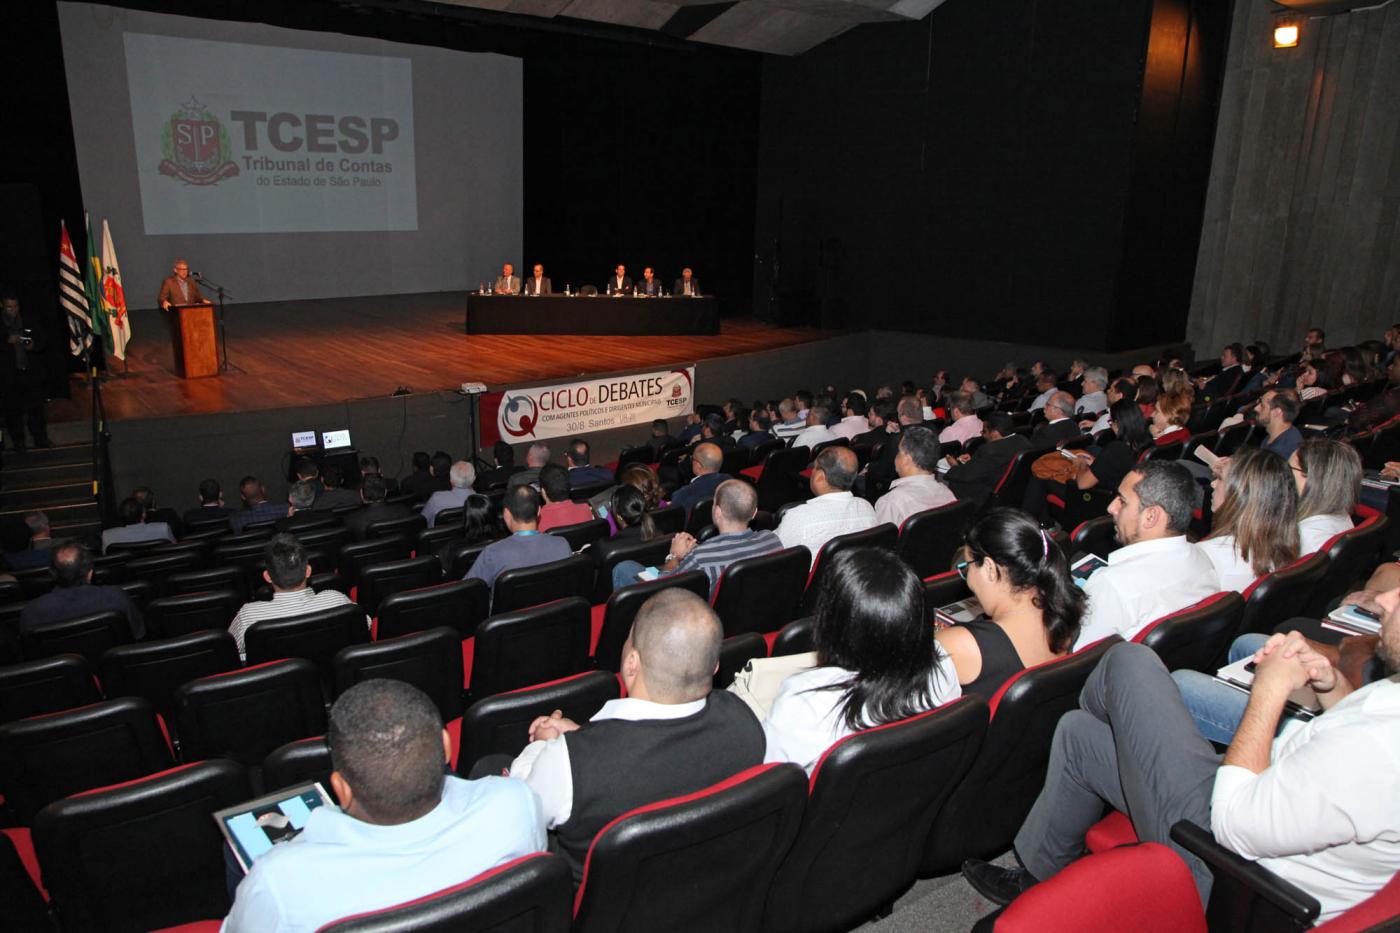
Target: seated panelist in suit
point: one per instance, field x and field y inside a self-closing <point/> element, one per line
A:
<point x="649" y="285"/>
<point x="179" y="288"/>
<point x="538" y="282"/>
<point x="687" y="286"/>
<point x="507" y="283"/>
<point x="618" y="282"/>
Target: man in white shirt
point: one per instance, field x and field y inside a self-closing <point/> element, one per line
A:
<point x="1094" y="398"/>
<point x="1120" y="388"/>
<point x="134" y="528"/>
<point x="403" y="829"/>
<point x="918" y="487"/>
<point x="1318" y="805"/>
<point x="670" y="735"/>
<point x="1157" y="571"/>
<point x="816" y="431"/>
<point x="1046" y="385"/>
<point x="833" y="511"/>
<point x="966" y="425"/>
<point x="461" y="476"/>
<point x="854" y="418"/>
<point x="289" y="573"/>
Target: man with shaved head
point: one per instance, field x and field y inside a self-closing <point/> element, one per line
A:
<point x="705" y="461"/>
<point x="669" y="736"/>
<point x="833" y="510"/>
<point x="736" y="503"/>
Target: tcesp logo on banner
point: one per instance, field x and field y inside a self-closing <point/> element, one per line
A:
<point x="542" y="412"/>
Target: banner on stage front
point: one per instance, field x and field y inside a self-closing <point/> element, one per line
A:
<point x="538" y="413"/>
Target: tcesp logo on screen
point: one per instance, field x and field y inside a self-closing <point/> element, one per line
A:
<point x="195" y="146"/>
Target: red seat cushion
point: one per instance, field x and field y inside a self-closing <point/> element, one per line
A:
<point x="1055" y="500"/>
<point x="771" y="637"/>
<point x="805" y="474"/>
<point x="597" y="628"/>
<point x="1110" y="832"/>
<point x="454" y="734"/>
<point x="753" y="472"/>
<point x="196" y="926"/>
<point x="24" y="847"/>
<point x="468" y="655"/>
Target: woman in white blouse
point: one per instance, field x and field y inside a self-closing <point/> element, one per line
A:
<point x="1328" y="475"/>
<point x="878" y="662"/>
<point x="1251" y="490"/>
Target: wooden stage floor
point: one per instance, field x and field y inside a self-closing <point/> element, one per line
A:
<point x="316" y="352"/>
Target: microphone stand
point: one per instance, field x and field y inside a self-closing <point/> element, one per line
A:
<point x="224" y="364"/>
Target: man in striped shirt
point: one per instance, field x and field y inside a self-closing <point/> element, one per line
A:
<point x="288" y="572"/>
<point x="735" y="504"/>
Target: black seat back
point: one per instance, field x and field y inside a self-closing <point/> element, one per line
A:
<point x="1198" y="637"/>
<point x="316" y="636"/>
<point x="247" y="713"/>
<point x="171" y="616"/>
<point x="795" y="638"/>
<point x="761" y="594"/>
<point x="156" y="669"/>
<point x="1352" y="556"/>
<point x="701" y="514"/>
<point x="297" y="763"/>
<point x="624" y="604"/>
<point x="461" y="604"/>
<point x="883" y="535"/>
<point x="458" y="557"/>
<point x="207" y="580"/>
<point x="668" y="519"/>
<point x="48" y="685"/>
<point x="500" y="724"/>
<point x="1278" y="596"/>
<point x="407" y="527"/>
<point x="531" y="586"/>
<point x="48" y="757"/>
<point x="608" y="554"/>
<point x="942" y="589"/>
<point x="531" y="646"/>
<point x="360" y="554"/>
<point x="1094" y="536"/>
<point x="582" y="533"/>
<point x="781" y="480"/>
<point x="377" y="581"/>
<point x="929" y="539"/>
<point x="430" y="661"/>
<point x="735" y="652"/>
<point x="88" y="636"/>
<point x="143" y="856"/>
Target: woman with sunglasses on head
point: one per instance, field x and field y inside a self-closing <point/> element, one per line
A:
<point x="1022" y="580"/>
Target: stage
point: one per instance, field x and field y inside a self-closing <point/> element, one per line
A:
<point x="307" y="353"/>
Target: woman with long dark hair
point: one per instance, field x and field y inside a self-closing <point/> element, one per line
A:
<point x="1130" y="438"/>
<point x="628" y="509"/>
<point x="481" y="520"/>
<point x="1022" y="580"/>
<point x="877" y="660"/>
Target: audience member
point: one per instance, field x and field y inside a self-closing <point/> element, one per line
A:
<point x="1130" y="439"/>
<point x="974" y="476"/>
<point x="1023" y="583"/>
<point x="627" y="507"/>
<point x="404" y="828"/>
<point x="1170" y="414"/>
<point x="973" y="390"/>
<point x="1383" y="407"/>
<point x="300" y="500"/>
<point x="736" y="504"/>
<point x="880" y="471"/>
<point x="462" y="476"/>
<point x="440" y="465"/>
<point x="1275" y="412"/>
<point x="504" y="457"/>
<point x="760" y="430"/>
<point x="146" y="498"/>
<point x="33" y="548"/>
<point x="134" y="529"/>
<point x="481" y="520"/>
<point x="877" y="660"/>
<point x="1047" y="384"/>
<point x="966" y="425"/>
<point x="833" y="510"/>
<point x="669" y="736"/>
<point x="1310" y="382"/>
<point x="816" y="431"/>
<point x="211" y="503"/>
<point x="1157" y="571"/>
<point x="1103" y="421"/>
<point x="918" y="487"/>
<point x="288" y="573"/>
<point x="1316" y="806"/>
<point x="854" y="420"/>
<point x="536" y="456"/>
<point x="370" y="465"/>
<point x="690" y="433"/>
<point x="883" y="418"/>
<point x="559" y="510"/>
<point x="712" y="431"/>
<point x="1059" y="423"/>
<point x="660" y="436"/>
<point x="789" y="423"/>
<point x="705" y="462"/>
<point x="74" y="595"/>
<point x="1230" y="376"/>
<point x="1094" y="399"/>
<point x="334" y="495"/>
<point x="1247" y="539"/>
<point x="525" y="546"/>
<point x="1328" y="476"/>
<point x="372" y="493"/>
<point x="581" y="472"/>
<point x="419" y="483"/>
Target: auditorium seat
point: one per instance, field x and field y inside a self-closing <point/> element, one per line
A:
<point x="1198" y="637"/>
<point x="360" y="554"/>
<point x="777" y="480"/>
<point x="430" y="660"/>
<point x="588" y="491"/>
<point x="200" y="525"/>
<point x="157" y="566"/>
<point x="298" y="762"/>
<point x="1276" y="597"/>
<point x="528" y="646"/>
<point x="140" y="592"/>
<point x="582" y="534"/>
<point x="48" y="685"/>
<point x="39" y="580"/>
<point x="1231" y="439"/>
<point x="1094" y="536"/>
<point x="331" y="538"/>
<point x="1079" y="506"/>
<point x="611" y="623"/>
<point x="1246" y="897"/>
<point x="1146" y="888"/>
<point x="761" y="594"/>
<point x="883" y="535"/>
<point x="1351" y="556"/>
<point x="929" y="539"/>
<point x="701" y="516"/>
<point x="461" y="604"/>
<point x="432" y="540"/>
<point x="1010" y="490"/>
<point x="204" y="581"/>
<point x="707" y="858"/>
<point x="668" y="519"/>
<point x="247" y="713"/>
<point x="533" y="893"/>
<point x="407" y="527"/>
<point x="171" y="616"/>
<point x="46" y="757"/>
<point x="315" y="636"/>
<point x="609" y="553"/>
<point x="531" y="586"/>
<point x="377" y="581"/>
<point x="457" y="558"/>
<point x="500" y="724"/>
<point x="88" y="635"/>
<point x="143" y="854"/>
<point x="873" y="796"/>
<point x="154" y="670"/>
<point x="735" y="652"/>
<point x="988" y="806"/>
<point x="797" y="637"/>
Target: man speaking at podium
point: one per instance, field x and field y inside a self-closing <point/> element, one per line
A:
<point x="178" y="289"/>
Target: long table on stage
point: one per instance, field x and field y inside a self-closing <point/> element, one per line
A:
<point x="597" y="314"/>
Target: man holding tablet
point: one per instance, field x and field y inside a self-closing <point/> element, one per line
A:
<point x="403" y="830"/>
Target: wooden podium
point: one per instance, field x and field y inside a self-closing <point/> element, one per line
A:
<point x="196" y="350"/>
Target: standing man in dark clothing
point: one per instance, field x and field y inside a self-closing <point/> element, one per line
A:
<point x="22" y="376"/>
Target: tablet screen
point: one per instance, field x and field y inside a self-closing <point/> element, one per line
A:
<point x="253" y="828"/>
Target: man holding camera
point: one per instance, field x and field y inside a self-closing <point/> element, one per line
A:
<point x="22" y="376"/>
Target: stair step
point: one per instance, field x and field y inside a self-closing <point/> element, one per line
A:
<point x="52" y="475"/>
<point x="47" y="456"/>
<point x="79" y="512"/>
<point x="42" y="497"/>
